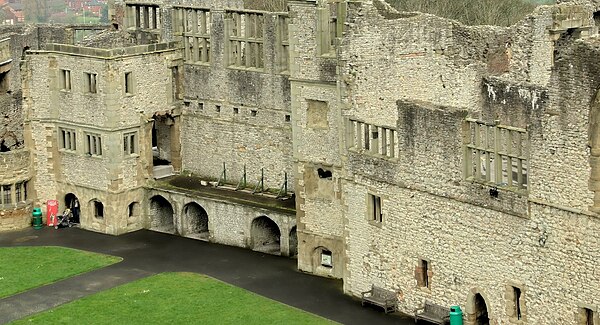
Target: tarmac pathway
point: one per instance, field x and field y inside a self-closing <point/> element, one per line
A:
<point x="145" y="253"/>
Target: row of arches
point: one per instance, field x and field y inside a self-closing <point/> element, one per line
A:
<point x="265" y="234"/>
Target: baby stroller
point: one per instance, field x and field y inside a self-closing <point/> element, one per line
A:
<point x="64" y="220"/>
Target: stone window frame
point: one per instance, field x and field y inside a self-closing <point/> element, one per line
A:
<point x="142" y="16"/>
<point x="374" y="213"/>
<point x="131" y="143"/>
<point x="91" y="82"/>
<point x="372" y="139"/>
<point x="67" y="139"/>
<point x="331" y="17"/>
<point x="245" y="36"/>
<point x="196" y="37"/>
<point x="128" y="83"/>
<point x="283" y="43"/>
<point x="98" y="209"/>
<point x="65" y="80"/>
<point x="515" y="297"/>
<point x="93" y="144"/>
<point x="587" y="315"/>
<point x="486" y="144"/>
<point x="423" y="274"/>
<point x="17" y="194"/>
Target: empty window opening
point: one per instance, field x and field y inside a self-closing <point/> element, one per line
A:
<point x="65" y="80"/>
<point x="93" y="144"/>
<point x="253" y="112"/>
<point x="496" y="154"/>
<point x="98" y="210"/>
<point x="372" y="138"/>
<point x="91" y="82"/>
<point x="218" y="108"/>
<point x="128" y="83"/>
<point x="288" y="118"/>
<point x="331" y="26"/>
<point x="67" y="139"/>
<point x="245" y="46"/>
<point x="293" y="242"/>
<point x="323" y="173"/>
<point x="143" y="16"/>
<point x="133" y="210"/>
<point x="236" y="110"/>
<point x="176" y="83"/>
<point x="326" y="258"/>
<point x="517" y="302"/>
<point x="284" y="44"/>
<point x="130" y="143"/>
<point x="200" y="106"/>
<point x="422" y="274"/>
<point x="586" y="317"/>
<point x="18" y="191"/>
<point x="375" y="213"/>
<point x="195" y="26"/>
<point x="162" y="140"/>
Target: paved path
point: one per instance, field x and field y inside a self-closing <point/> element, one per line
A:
<point x="145" y="253"/>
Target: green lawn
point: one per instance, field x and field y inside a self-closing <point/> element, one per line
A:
<point x="24" y="268"/>
<point x="175" y="298"/>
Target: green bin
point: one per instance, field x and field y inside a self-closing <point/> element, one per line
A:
<point x="456" y="316"/>
<point x="37" y="218"/>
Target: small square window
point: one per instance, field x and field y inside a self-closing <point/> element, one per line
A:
<point x="218" y="108"/>
<point x="253" y="112"/>
<point x="288" y="118"/>
<point x="236" y="110"/>
<point x="93" y="144"/>
<point x="200" y="106"/>
<point x="67" y="139"/>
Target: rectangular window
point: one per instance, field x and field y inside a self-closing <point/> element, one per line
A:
<point x="93" y="144"/>
<point x="495" y="154"/>
<point x="128" y="83"/>
<point x="245" y="32"/>
<point x="331" y="26"/>
<point x="371" y="138"/>
<point x="91" y="82"/>
<point x="65" y="80"/>
<point x="375" y="213"/>
<point x="517" y="302"/>
<point x="25" y="190"/>
<point x="18" y="187"/>
<point x="98" y="210"/>
<point x="67" y="139"/>
<point x="195" y="26"/>
<point x="130" y="143"/>
<point x="586" y="317"/>
<point x="6" y="194"/>
<point x="422" y="274"/>
<point x="142" y="16"/>
<point x="284" y="44"/>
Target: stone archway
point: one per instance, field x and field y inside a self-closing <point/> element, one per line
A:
<point x="265" y="236"/>
<point x="196" y="221"/>
<point x="72" y="202"/>
<point x="293" y="241"/>
<point x="161" y="215"/>
<point x="476" y="311"/>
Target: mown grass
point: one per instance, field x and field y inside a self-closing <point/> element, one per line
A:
<point x="175" y="298"/>
<point x="24" y="268"/>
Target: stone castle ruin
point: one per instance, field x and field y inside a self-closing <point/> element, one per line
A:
<point x="448" y="163"/>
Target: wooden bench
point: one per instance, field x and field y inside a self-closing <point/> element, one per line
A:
<point x="380" y="297"/>
<point x="433" y="313"/>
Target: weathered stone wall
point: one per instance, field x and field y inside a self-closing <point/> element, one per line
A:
<point x="228" y="223"/>
<point x="14" y="166"/>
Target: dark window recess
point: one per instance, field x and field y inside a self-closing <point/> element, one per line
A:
<point x="517" y="301"/>
<point x="253" y="113"/>
<point x="323" y="173"/>
<point x="98" y="209"/>
<point x="422" y="274"/>
<point x="236" y="110"/>
<point x="288" y="118"/>
<point x="218" y="108"/>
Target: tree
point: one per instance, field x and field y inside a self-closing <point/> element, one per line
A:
<point x="104" y="14"/>
<point x="36" y="11"/>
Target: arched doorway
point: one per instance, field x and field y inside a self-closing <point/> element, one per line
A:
<point x="72" y="202"/>
<point x="265" y="236"/>
<point x="293" y="242"/>
<point x="476" y="311"/>
<point x="161" y="215"/>
<point x="196" y="221"/>
<point x="481" y="313"/>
